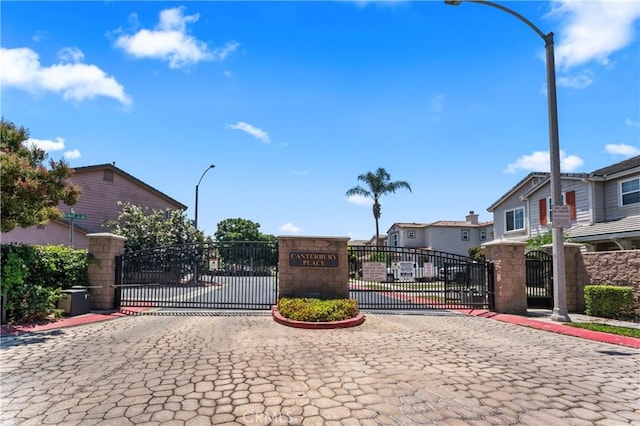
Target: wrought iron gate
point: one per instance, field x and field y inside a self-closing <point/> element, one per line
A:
<point x="415" y="278"/>
<point x="219" y="275"/>
<point x="539" y="279"/>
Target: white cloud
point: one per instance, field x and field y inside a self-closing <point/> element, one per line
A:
<point x="170" y="42"/>
<point x="630" y="123"/>
<point x="360" y="200"/>
<point x="290" y="228"/>
<point x="21" y="68"/>
<point x="74" y="154"/>
<point x="622" y="149"/>
<point x="593" y="30"/>
<point x="71" y="54"/>
<point x="221" y="53"/>
<point x="253" y="131"/>
<point x="47" y="144"/>
<point x="576" y="82"/>
<point x="299" y="173"/>
<point x="539" y="161"/>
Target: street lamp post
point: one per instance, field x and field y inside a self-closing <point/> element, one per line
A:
<point x="197" y="186"/>
<point x="560" y="313"/>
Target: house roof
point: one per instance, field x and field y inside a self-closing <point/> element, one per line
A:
<point x="544" y="177"/>
<point x="443" y="223"/>
<point x="126" y="175"/>
<point x="622" y="166"/>
<point x="621" y="228"/>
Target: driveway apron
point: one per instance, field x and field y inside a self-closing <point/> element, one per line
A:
<point x="198" y="369"/>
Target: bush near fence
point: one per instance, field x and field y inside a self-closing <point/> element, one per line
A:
<point x="32" y="277"/>
<point x="609" y="301"/>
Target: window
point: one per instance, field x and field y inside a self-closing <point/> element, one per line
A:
<point x="107" y="175"/>
<point x="546" y="206"/>
<point x="395" y="240"/>
<point x="411" y="234"/>
<point x="514" y="219"/>
<point x="630" y="192"/>
<point x="465" y="235"/>
<point x="483" y="234"/>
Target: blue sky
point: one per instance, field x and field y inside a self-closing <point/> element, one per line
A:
<point x="293" y="100"/>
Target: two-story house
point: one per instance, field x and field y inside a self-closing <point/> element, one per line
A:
<point x="102" y="186"/>
<point x="449" y="236"/>
<point x="604" y="205"/>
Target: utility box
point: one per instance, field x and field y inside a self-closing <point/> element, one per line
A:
<point x="74" y="301"/>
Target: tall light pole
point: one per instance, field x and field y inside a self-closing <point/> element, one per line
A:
<point x="559" y="280"/>
<point x="197" y="186"/>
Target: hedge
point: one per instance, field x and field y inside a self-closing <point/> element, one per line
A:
<point x="608" y="301"/>
<point x="33" y="276"/>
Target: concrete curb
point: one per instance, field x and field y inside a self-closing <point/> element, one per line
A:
<point x="351" y="322"/>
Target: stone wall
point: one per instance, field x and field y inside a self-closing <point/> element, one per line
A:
<point x="619" y="268"/>
<point x="509" y="275"/>
<point x="312" y="277"/>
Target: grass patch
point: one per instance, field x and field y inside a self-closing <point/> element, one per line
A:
<point x="605" y="328"/>
<point x="317" y="310"/>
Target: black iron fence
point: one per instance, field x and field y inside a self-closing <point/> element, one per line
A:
<point x="539" y="279"/>
<point x="220" y="275"/>
<point x="413" y="278"/>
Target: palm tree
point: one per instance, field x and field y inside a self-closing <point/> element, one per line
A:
<point x="378" y="184"/>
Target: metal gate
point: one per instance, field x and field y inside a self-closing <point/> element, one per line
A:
<point x="413" y="278"/>
<point x="217" y="275"/>
<point x="539" y="279"/>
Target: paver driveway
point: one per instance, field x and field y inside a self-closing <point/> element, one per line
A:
<point x="394" y="369"/>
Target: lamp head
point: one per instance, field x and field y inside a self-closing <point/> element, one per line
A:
<point x="212" y="166"/>
<point x="453" y="2"/>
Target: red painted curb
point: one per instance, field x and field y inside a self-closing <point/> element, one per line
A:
<point x="614" y="339"/>
<point x="14" y="330"/>
<point x="351" y="322"/>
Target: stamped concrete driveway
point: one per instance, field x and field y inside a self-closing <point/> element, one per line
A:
<point x="393" y="370"/>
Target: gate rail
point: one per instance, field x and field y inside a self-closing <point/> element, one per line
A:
<point x="539" y="279"/>
<point x="217" y="275"/>
<point x="420" y="279"/>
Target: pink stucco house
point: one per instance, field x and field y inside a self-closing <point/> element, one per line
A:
<point x="102" y="186"/>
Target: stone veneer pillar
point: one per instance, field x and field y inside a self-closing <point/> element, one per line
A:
<point x="573" y="267"/>
<point x="325" y="273"/>
<point x="510" y="275"/>
<point x="104" y="247"/>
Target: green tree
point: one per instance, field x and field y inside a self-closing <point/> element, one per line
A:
<point x="377" y="185"/>
<point x="147" y="228"/>
<point x="31" y="192"/>
<point x="237" y="229"/>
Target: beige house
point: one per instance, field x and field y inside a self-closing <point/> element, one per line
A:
<point x="102" y="186"/>
<point x="448" y="236"/>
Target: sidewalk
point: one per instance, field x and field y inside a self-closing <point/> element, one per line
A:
<point x="541" y="319"/>
<point x="535" y="318"/>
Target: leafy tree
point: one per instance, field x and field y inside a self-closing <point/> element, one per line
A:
<point x="477" y="253"/>
<point x="238" y="229"/>
<point x="377" y="185"/>
<point x="149" y="228"/>
<point x="31" y="192"/>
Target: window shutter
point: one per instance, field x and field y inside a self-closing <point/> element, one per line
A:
<point x="571" y="201"/>
<point x="542" y="204"/>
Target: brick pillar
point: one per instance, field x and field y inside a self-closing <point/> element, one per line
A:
<point x="574" y="275"/>
<point x="104" y="247"/>
<point x="313" y="267"/>
<point x="510" y="275"/>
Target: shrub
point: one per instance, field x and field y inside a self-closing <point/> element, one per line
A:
<point x="317" y="310"/>
<point x="32" y="277"/>
<point x="608" y="301"/>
